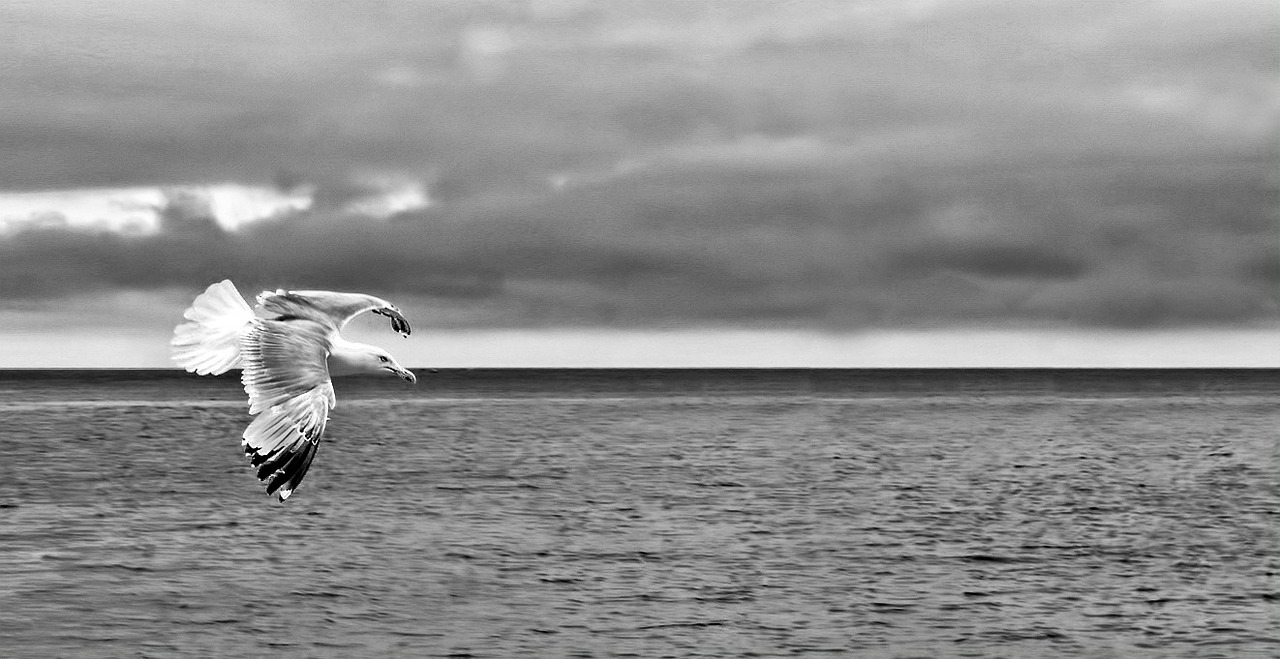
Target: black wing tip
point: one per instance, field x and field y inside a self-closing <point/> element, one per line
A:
<point x="283" y="470"/>
<point x="398" y="322"/>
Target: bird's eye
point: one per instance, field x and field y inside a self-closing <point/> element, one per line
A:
<point x="383" y="358"/>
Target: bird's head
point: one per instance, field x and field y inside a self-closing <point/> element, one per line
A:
<point x="351" y="358"/>
<point x="378" y="360"/>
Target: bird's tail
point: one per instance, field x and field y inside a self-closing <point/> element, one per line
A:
<point x="210" y="342"/>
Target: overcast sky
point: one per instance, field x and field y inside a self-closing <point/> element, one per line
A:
<point x="651" y="181"/>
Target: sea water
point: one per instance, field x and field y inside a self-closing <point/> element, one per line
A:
<point x="650" y="513"/>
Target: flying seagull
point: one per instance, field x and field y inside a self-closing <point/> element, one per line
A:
<point x="287" y="352"/>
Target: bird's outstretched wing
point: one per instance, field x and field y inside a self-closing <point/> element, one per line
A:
<point x="287" y="379"/>
<point x="329" y="307"/>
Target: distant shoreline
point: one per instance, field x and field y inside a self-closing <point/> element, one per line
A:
<point x="710" y="381"/>
<point x="679" y="369"/>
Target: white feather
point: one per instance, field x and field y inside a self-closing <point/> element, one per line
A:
<point x="287" y="380"/>
<point x="210" y="342"/>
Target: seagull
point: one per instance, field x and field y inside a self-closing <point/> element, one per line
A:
<point x="287" y="351"/>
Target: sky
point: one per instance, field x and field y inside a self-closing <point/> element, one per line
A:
<point x="653" y="182"/>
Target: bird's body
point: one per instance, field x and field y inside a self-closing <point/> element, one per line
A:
<point x="288" y="352"/>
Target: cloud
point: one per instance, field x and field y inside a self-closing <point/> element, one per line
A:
<point x="827" y="164"/>
<point x="224" y="206"/>
<point x="726" y="249"/>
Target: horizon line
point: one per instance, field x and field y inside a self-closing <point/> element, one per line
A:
<point x="442" y="369"/>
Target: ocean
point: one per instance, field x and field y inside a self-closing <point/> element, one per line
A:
<point x="641" y="513"/>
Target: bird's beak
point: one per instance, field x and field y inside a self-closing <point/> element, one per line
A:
<point x="404" y="373"/>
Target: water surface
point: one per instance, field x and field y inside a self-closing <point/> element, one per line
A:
<point x="498" y="514"/>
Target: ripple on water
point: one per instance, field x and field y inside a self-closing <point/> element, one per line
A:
<point x="681" y="526"/>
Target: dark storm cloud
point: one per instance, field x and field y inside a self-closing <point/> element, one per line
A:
<point x="627" y="257"/>
<point x="836" y="164"/>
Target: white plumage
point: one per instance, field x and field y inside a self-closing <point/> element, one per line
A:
<point x="287" y="352"/>
<point x="210" y="343"/>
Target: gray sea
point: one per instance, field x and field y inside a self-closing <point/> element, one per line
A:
<point x="650" y="514"/>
